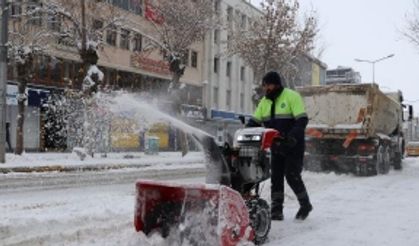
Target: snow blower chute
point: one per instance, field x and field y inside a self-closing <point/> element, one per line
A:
<point x="225" y="211"/>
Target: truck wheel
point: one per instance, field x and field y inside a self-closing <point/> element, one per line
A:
<point x="361" y="169"/>
<point x="386" y="161"/>
<point x="260" y="219"/>
<point x="397" y="163"/>
<point x="379" y="161"/>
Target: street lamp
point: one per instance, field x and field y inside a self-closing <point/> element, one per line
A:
<point x="373" y="64"/>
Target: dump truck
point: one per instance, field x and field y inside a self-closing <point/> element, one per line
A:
<point x="353" y="128"/>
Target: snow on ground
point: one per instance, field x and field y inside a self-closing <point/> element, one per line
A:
<point x="348" y="210"/>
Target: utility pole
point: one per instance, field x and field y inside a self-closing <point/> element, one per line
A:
<point x="4" y="11"/>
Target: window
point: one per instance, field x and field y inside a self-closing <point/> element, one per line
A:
<point x="228" y="99"/>
<point x="216" y="36"/>
<point x="137" y="42"/>
<point x="243" y="22"/>
<point x="54" y="22"/>
<point x="185" y="58"/>
<point x="68" y="40"/>
<point x="16" y="9"/>
<point x="217" y="6"/>
<point x="56" y="70"/>
<point x="111" y="36"/>
<point x="33" y="9"/>
<point x="229" y="14"/>
<point x="238" y="14"/>
<point x="228" y="69"/>
<point x="242" y="73"/>
<point x="134" y="6"/>
<point x="242" y="102"/>
<point x="123" y="4"/>
<point x="216" y="64"/>
<point x="124" y="41"/>
<point x="97" y="25"/>
<point x="215" y="97"/>
<point x="194" y="59"/>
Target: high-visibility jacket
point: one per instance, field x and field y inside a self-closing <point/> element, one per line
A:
<point x="289" y="116"/>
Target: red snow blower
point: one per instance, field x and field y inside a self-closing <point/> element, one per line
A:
<point x="227" y="210"/>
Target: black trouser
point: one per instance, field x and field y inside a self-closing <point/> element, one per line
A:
<point x="289" y="167"/>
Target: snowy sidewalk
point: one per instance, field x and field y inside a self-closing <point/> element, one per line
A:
<point x="70" y="162"/>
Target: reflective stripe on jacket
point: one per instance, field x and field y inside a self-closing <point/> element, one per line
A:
<point x="289" y="118"/>
<point x="289" y="106"/>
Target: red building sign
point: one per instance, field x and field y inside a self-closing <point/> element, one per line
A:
<point x="151" y="65"/>
<point x="151" y="13"/>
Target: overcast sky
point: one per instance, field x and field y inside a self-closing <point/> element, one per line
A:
<point x="369" y="29"/>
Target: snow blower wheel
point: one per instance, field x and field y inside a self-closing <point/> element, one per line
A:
<point x="260" y="219"/>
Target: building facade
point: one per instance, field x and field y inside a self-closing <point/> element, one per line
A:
<point x="310" y="71"/>
<point x="121" y="59"/>
<point x="218" y="87"/>
<point x="228" y="84"/>
<point x="342" y="75"/>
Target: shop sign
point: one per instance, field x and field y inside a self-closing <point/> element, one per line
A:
<point x="150" y="65"/>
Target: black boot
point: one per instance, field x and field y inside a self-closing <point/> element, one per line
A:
<point x="276" y="213"/>
<point x="277" y="216"/>
<point x="303" y="212"/>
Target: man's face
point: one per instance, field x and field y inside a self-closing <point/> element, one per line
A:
<point x="269" y="88"/>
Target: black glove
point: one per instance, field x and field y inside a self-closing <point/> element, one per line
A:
<point x="283" y="145"/>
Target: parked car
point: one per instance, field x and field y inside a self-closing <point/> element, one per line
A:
<point x="412" y="149"/>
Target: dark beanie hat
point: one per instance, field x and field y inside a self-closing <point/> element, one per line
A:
<point x="272" y="78"/>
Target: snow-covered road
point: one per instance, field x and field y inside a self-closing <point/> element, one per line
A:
<point x="348" y="210"/>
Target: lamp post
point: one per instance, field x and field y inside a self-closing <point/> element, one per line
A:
<point x="373" y="63"/>
<point x="3" y="74"/>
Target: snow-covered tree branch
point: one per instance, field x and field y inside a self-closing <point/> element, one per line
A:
<point x="411" y="31"/>
<point x="273" y="40"/>
<point x="28" y="39"/>
<point x="177" y="25"/>
<point x="83" y="23"/>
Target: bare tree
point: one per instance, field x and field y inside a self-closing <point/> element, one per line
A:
<point x="177" y="25"/>
<point x="37" y="26"/>
<point x="273" y="40"/>
<point x="411" y="32"/>
<point x="83" y="23"/>
<point x="28" y="39"/>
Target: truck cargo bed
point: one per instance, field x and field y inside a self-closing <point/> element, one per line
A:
<point x="336" y="110"/>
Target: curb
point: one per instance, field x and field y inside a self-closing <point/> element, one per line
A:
<point x="58" y="168"/>
<point x="89" y="168"/>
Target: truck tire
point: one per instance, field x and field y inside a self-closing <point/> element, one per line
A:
<point x="379" y="161"/>
<point x="364" y="169"/>
<point x="397" y="163"/>
<point x="386" y="161"/>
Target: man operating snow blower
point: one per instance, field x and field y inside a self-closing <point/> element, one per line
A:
<point x="283" y="109"/>
<point x="228" y="209"/>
